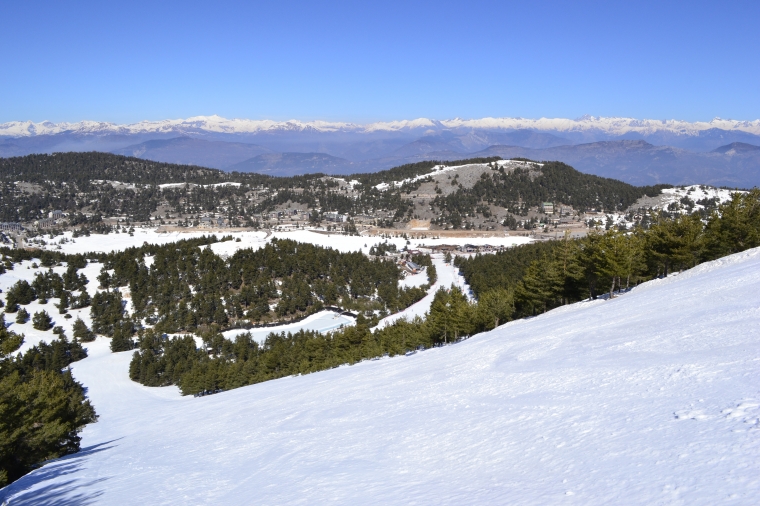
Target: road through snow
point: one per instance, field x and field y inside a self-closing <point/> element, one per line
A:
<point x="650" y="398"/>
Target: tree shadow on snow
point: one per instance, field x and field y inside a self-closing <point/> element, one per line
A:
<point x="44" y="486"/>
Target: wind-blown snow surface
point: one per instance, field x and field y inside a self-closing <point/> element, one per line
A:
<point x="650" y="398"/>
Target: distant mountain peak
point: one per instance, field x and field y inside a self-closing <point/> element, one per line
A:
<point x="736" y="147"/>
<point x="218" y="124"/>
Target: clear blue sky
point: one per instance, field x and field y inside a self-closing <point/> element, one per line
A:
<point x="362" y="61"/>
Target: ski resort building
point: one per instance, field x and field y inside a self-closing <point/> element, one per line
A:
<point x="336" y="217"/>
<point x="11" y="227"/>
<point x="44" y="223"/>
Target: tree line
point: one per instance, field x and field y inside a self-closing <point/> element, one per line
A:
<point x="542" y="276"/>
<point x="555" y="182"/>
<point x="537" y="278"/>
<point x="42" y="408"/>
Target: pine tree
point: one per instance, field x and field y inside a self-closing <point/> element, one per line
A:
<point x="81" y="331"/>
<point x="735" y="226"/>
<point x="41" y="408"/>
<point x="494" y="308"/>
<point x="22" y="316"/>
<point x="64" y="302"/>
<point x="122" y="336"/>
<point x="42" y="320"/>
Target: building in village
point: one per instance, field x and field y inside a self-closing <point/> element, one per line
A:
<point x="44" y="223"/>
<point x="336" y="217"/>
<point x="11" y="227"/>
<point x="211" y="222"/>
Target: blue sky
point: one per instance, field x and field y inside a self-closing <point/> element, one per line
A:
<point x="362" y="61"/>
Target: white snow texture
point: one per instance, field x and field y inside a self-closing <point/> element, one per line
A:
<point x="648" y="398"/>
<point x="218" y="124"/>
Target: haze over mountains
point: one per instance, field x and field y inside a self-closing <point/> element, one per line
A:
<point x="719" y="152"/>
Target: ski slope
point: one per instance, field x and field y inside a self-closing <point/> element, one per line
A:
<point x="322" y="321"/>
<point x="649" y="398"/>
<point x="448" y="276"/>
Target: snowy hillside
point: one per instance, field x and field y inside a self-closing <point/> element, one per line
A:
<point x="650" y="398"/>
<point x="217" y="124"/>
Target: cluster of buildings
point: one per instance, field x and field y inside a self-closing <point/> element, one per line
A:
<point x="208" y="222"/>
<point x="11" y="227"/>
<point x="41" y="224"/>
<point x="466" y="248"/>
<point x="49" y="222"/>
<point x="335" y="217"/>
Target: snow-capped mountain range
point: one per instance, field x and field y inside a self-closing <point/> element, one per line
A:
<point x="717" y="152"/>
<point x="218" y="124"/>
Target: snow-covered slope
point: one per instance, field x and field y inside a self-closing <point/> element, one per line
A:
<point x="650" y="398"/>
<point x="217" y="124"/>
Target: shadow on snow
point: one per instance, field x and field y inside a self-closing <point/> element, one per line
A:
<point x="43" y="487"/>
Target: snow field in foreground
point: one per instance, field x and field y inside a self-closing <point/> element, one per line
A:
<point x="649" y="398"/>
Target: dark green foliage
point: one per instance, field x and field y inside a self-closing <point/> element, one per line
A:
<point x="81" y="331"/>
<point x="73" y="182"/>
<point x="382" y="248"/>
<point x="553" y="182"/>
<point x="297" y="278"/>
<point x="81" y="300"/>
<point x="739" y="226"/>
<point x="107" y="311"/>
<point x="20" y="293"/>
<point x="47" y="285"/>
<point x="538" y="277"/>
<point x="547" y="275"/>
<point x="122" y="336"/>
<point x="42" y="321"/>
<point x="81" y="168"/>
<point x="42" y="408"/>
<point x="225" y="364"/>
<point x="73" y="282"/>
<point x="22" y="316"/>
<point x="503" y="269"/>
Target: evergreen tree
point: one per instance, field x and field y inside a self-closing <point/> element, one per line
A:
<point x="540" y="287"/>
<point x="64" y="302"/>
<point x="42" y="320"/>
<point x="735" y="226"/>
<point x="676" y="243"/>
<point x="107" y="310"/>
<point x="122" y="336"/>
<point x="42" y="408"/>
<point x="20" y="293"/>
<point x="495" y="307"/>
<point x="81" y="331"/>
<point x="22" y="316"/>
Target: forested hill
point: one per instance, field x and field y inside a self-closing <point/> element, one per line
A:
<point x="476" y="193"/>
<point x="80" y="168"/>
<point x="550" y="182"/>
<point x="411" y="170"/>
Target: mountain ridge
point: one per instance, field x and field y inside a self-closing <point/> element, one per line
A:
<point x="193" y="151"/>
<point x="218" y="124"/>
